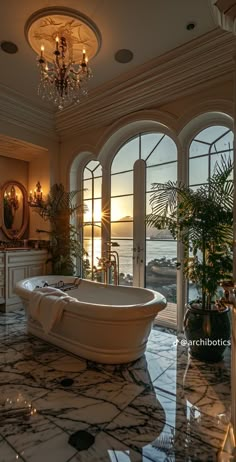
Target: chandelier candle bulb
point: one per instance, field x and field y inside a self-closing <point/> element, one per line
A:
<point x="67" y="36"/>
<point x="57" y="42"/>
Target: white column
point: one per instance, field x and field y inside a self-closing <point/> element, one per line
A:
<point x="139" y="222"/>
<point x="106" y="212"/>
<point x="183" y="158"/>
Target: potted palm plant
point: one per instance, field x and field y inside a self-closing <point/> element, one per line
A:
<point x="202" y="219"/>
<point x="65" y="245"/>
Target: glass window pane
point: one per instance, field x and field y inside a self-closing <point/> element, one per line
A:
<point x="211" y="134"/>
<point x="87" y="210"/>
<point x="149" y="142"/>
<point x="161" y="174"/>
<point x="198" y="170"/>
<point x="92" y="165"/>
<point x="148" y="206"/>
<point x="97" y="229"/>
<point x="125" y="252"/>
<point x="224" y="144"/>
<point x="166" y="151"/>
<point x="98" y="187"/>
<point x="126" y="156"/>
<point x="122" y="184"/>
<point x="94" y="207"/>
<point x="96" y="250"/>
<point x="217" y="159"/>
<point x="119" y="230"/>
<point x="87" y="231"/>
<point x="87" y="189"/>
<point x="161" y="258"/>
<point x="198" y="149"/>
<point x="93" y="168"/>
<point x="153" y="234"/>
<point x="152" y="231"/>
<point x="97" y="171"/>
<point x="122" y="208"/>
<point x="87" y="174"/>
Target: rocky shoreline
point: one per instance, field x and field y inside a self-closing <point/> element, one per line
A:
<point x="160" y="276"/>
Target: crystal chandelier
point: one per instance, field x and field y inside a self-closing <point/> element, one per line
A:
<point x="63" y="82"/>
<point x="64" y="40"/>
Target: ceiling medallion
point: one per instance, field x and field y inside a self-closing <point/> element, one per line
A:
<point x="65" y="41"/>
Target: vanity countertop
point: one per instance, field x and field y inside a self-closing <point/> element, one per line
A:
<point x="17" y="249"/>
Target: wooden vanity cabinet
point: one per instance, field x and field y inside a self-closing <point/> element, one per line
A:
<point x="14" y="266"/>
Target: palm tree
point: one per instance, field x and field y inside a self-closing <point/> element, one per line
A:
<point x="203" y="220"/>
<point x="65" y="245"/>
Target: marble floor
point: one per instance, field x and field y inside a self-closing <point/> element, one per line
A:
<point x="164" y="407"/>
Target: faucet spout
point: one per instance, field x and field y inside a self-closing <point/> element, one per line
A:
<point x="108" y="265"/>
<point x="113" y="257"/>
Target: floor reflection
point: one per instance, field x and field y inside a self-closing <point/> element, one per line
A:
<point x="165" y="407"/>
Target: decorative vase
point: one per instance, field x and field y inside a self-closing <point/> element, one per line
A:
<point x="207" y="332"/>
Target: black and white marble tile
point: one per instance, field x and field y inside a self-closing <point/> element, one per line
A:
<point x="8" y="454"/>
<point x="164" y="407"/>
<point x="39" y="439"/>
<point x="108" y="449"/>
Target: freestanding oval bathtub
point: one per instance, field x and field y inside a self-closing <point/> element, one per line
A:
<point x="106" y="323"/>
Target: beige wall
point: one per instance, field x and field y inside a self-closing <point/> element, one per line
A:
<point x="13" y="169"/>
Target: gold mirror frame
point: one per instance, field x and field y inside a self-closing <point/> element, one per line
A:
<point x="25" y="212"/>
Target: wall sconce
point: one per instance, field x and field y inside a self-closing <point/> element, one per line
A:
<point x="11" y="198"/>
<point x="36" y="197"/>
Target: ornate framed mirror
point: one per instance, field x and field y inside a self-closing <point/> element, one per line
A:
<point x="15" y="210"/>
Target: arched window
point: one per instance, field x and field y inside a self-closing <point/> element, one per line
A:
<point x="147" y="256"/>
<point x="206" y="149"/>
<point x="92" y="200"/>
<point x="160" y="154"/>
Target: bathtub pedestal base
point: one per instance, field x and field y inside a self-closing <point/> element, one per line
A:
<point x="84" y="351"/>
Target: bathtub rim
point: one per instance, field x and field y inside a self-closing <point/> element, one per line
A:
<point x="157" y="298"/>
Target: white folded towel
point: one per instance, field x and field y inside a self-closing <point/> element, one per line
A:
<point x="46" y="305"/>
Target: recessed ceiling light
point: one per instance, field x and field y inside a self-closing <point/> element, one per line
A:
<point x="190" y="26"/>
<point x="9" y="47"/>
<point x="124" y="56"/>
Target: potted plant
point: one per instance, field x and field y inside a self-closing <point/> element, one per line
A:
<point x="202" y="219"/>
<point x="65" y="245"/>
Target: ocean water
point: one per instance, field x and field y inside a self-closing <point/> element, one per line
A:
<point x="154" y="250"/>
<point x="159" y="250"/>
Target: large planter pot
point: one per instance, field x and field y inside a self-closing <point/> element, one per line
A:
<point x="207" y="332"/>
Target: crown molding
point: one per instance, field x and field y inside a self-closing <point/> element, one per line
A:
<point x="182" y="71"/>
<point x="190" y="68"/>
<point x="17" y="110"/>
